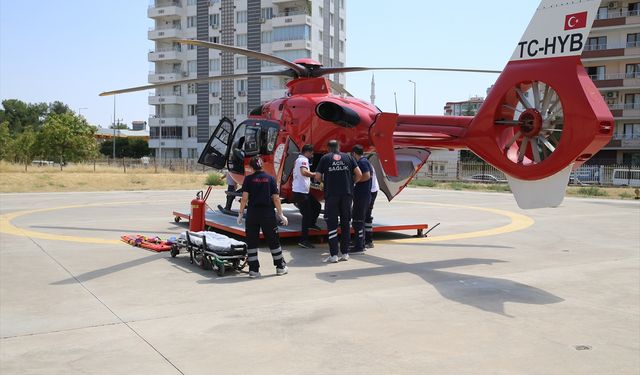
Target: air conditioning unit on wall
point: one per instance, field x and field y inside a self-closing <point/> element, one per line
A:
<point x="613" y="4"/>
<point x="612" y="94"/>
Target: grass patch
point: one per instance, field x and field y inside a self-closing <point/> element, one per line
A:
<point x="463" y="186"/>
<point x="498" y="187"/>
<point x="592" y="191"/>
<point x="626" y="195"/>
<point x="214" y="179"/>
<point x="423" y="183"/>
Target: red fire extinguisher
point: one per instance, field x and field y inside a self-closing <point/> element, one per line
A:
<point x="198" y="209"/>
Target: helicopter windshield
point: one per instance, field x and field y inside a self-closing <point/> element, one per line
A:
<point x="252" y="137"/>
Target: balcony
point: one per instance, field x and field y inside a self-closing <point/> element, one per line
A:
<point x="172" y="8"/>
<point x="291" y="45"/>
<point x="169" y="31"/>
<point x="165" y="99"/>
<point x="165" y="54"/>
<point x="617" y="17"/>
<point x="166" y="121"/>
<point x="617" y="80"/>
<point x="165" y="142"/>
<point x="624" y="141"/>
<point x="291" y="18"/>
<point x="625" y="111"/>
<point x="159" y="77"/>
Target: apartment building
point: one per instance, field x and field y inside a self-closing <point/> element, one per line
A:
<point x="184" y="115"/>
<point x="612" y="60"/>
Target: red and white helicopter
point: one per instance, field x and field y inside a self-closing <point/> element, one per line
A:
<point x="542" y="118"/>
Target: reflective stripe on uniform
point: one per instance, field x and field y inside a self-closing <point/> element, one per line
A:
<point x="252" y="251"/>
<point x="252" y="258"/>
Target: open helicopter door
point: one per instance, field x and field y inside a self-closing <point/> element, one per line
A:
<point x="216" y="151"/>
<point x="409" y="162"/>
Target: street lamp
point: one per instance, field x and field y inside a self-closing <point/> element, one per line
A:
<point x="114" y="127"/>
<point x="414" y="96"/>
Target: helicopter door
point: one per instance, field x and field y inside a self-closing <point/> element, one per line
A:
<point x="216" y="151"/>
<point x="409" y="161"/>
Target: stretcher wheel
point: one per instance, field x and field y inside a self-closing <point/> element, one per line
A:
<point x="174" y="250"/>
<point x="238" y="264"/>
<point x="201" y="260"/>
<point x="221" y="269"/>
<point x="176" y="219"/>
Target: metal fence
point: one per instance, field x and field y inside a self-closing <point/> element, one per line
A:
<point x="432" y="170"/>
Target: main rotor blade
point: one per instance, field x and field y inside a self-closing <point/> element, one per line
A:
<point x="285" y="73"/>
<point x="301" y="71"/>
<point x="323" y="71"/>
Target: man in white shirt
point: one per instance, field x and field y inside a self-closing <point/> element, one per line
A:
<point x="309" y="207"/>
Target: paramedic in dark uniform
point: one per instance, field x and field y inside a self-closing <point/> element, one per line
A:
<point x="309" y="207"/>
<point x="361" y="199"/>
<point x="338" y="171"/>
<point x="368" y="220"/>
<point x="260" y="196"/>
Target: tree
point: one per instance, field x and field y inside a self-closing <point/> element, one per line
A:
<point x="58" y="108"/>
<point x="68" y="138"/>
<point x="21" y="115"/>
<point x="138" y="148"/>
<point x="5" y="140"/>
<point x="126" y="147"/>
<point x="24" y="148"/>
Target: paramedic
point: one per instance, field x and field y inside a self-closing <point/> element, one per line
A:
<point x="338" y="171"/>
<point x="368" y="221"/>
<point x="260" y="196"/>
<point x="361" y="199"/>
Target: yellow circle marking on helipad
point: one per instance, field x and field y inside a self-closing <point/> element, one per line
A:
<point x="7" y="227"/>
<point x="518" y="222"/>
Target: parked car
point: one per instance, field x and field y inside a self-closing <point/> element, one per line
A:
<point x="484" y="177"/>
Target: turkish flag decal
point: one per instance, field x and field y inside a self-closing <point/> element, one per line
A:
<point x="575" y="21"/>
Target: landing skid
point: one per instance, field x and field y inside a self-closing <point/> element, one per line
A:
<point x="228" y="212"/>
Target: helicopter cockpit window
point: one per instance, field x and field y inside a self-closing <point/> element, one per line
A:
<point x="272" y="136"/>
<point x="252" y="140"/>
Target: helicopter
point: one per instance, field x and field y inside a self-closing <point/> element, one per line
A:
<point x="542" y="118"/>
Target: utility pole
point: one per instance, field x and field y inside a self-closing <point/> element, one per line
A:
<point x="114" y="127"/>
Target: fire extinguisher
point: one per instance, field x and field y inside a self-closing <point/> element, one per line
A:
<point x="198" y="208"/>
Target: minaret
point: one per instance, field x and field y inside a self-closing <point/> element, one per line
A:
<point x="373" y="89"/>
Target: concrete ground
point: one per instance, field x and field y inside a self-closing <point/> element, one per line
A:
<point x="494" y="290"/>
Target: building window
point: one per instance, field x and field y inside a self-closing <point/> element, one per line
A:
<point x="331" y="19"/>
<point x="632" y="71"/>
<point x="213" y="2"/>
<point x="192" y="2"/>
<point x="341" y="4"/>
<point x="634" y="9"/>
<point x="266" y="13"/>
<point x="214" y="109"/>
<point x="632" y="101"/>
<point x="214" y="87"/>
<point x="241" y="62"/>
<point x="214" y="20"/>
<point x="241" y="108"/>
<point x="192" y="88"/>
<point x="191" y="132"/>
<point x="330" y="42"/>
<point x="633" y="40"/>
<point x="192" y="66"/>
<point x="596" y="72"/>
<point x="321" y="11"/>
<point x="603" y="13"/>
<point x="631" y="131"/>
<point x="214" y="65"/>
<point x="214" y="39"/>
<point x="241" y="86"/>
<point x="191" y="110"/>
<point x="266" y="84"/>
<point x="241" y="39"/>
<point x="177" y="90"/>
<point x="341" y="24"/>
<point x="241" y="16"/>
<point x="287" y="33"/>
<point x="596" y="43"/>
<point x="191" y="21"/>
<point x="266" y="37"/>
<point x="320" y="35"/>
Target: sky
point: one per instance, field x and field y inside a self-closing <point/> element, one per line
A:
<point x="72" y="50"/>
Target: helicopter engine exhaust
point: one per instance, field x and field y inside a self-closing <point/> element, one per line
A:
<point x="337" y="114"/>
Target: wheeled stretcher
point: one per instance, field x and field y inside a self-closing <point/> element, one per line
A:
<point x="211" y="250"/>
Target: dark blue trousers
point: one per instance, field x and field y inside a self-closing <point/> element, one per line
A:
<point x="262" y="218"/>
<point x="334" y="207"/>
<point x="360" y="206"/>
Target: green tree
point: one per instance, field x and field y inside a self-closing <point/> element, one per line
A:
<point x="21" y="115"/>
<point x="24" y="148"/>
<point x="138" y="148"/>
<point x="5" y="140"/>
<point x="58" y="108"/>
<point x="122" y="147"/>
<point x="67" y="138"/>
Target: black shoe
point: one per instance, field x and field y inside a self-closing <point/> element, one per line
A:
<point x="306" y="245"/>
<point x="315" y="227"/>
<point x="368" y="245"/>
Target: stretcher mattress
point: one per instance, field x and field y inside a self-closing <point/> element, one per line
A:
<point x="215" y="241"/>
